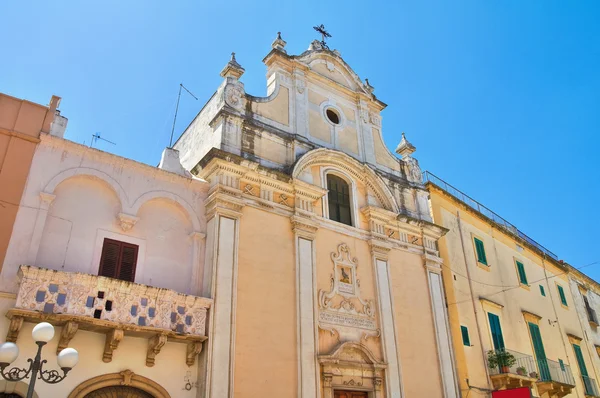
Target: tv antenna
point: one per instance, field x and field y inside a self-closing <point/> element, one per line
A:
<point x="181" y="86"/>
<point x="96" y="137"/>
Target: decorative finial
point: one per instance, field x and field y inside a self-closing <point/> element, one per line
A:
<point x="405" y="148"/>
<point x="324" y="34"/>
<point x="232" y="69"/>
<point x="279" y="43"/>
<point x="368" y="86"/>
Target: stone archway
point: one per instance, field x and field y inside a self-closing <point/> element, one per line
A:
<point x="119" y="392"/>
<point x="125" y="384"/>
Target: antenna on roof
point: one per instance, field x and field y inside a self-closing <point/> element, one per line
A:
<point x="181" y="86"/>
<point x="96" y="137"/>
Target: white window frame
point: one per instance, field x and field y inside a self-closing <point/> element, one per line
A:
<point x="353" y="193"/>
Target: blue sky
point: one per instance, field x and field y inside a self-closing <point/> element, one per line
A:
<point x="501" y="98"/>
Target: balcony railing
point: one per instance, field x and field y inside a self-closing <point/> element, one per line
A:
<point x="554" y="371"/>
<point x="106" y="299"/>
<point x="591" y="388"/>
<point x="475" y="205"/>
<point x="524" y="365"/>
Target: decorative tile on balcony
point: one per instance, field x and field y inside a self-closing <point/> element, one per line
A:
<point x="92" y="296"/>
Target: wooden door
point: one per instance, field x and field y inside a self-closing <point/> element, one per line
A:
<point x="350" y="394"/>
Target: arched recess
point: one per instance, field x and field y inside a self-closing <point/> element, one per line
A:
<point x="17" y="388"/>
<point x="178" y="200"/>
<point x="358" y="171"/>
<point x="86" y="171"/>
<point x="124" y="378"/>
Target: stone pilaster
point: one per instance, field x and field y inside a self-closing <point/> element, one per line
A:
<point x="220" y="283"/>
<point x="46" y="200"/>
<point x="308" y="372"/>
<point x="442" y="330"/>
<point x="379" y="252"/>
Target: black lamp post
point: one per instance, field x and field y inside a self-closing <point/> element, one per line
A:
<point x="42" y="333"/>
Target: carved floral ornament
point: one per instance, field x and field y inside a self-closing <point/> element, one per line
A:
<point x="342" y="310"/>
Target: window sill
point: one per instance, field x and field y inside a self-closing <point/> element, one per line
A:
<point x="484" y="266"/>
<point x="526" y="287"/>
<point x="566" y="307"/>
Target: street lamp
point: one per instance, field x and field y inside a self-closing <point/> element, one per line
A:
<point x="42" y="333"/>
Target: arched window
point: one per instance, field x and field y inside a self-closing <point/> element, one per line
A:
<point x="339" y="200"/>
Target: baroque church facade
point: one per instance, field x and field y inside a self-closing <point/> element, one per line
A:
<point x="321" y="254"/>
<point x="279" y="250"/>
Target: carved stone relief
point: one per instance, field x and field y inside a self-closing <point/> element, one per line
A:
<point x="342" y="310"/>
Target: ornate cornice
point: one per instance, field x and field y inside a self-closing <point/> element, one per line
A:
<point x="223" y="203"/>
<point x="304" y="227"/>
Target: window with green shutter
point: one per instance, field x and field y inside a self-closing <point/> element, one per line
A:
<point x="542" y="291"/>
<point x="521" y="271"/>
<point x="465" y="336"/>
<point x="561" y="293"/>
<point x="481" y="257"/>
<point x="496" y="331"/>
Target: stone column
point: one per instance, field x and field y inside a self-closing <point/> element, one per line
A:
<point x="308" y="372"/>
<point x="46" y="200"/>
<point x="220" y="283"/>
<point x="442" y="330"/>
<point x="393" y="375"/>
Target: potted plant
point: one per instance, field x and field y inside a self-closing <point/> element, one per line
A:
<point x="502" y="360"/>
<point x="521" y="371"/>
<point x="533" y="375"/>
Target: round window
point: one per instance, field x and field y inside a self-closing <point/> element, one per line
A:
<point x="332" y="116"/>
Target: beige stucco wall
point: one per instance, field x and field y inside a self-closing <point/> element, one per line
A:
<point x="265" y="337"/>
<point x="417" y="347"/>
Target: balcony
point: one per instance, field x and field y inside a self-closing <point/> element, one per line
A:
<point x="511" y="369"/>
<point x="591" y="388"/>
<point x="109" y="306"/>
<point x="554" y="378"/>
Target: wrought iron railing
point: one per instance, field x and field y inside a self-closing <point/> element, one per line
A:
<point x="555" y="371"/>
<point x="591" y="388"/>
<point x="475" y="205"/>
<point x="503" y="363"/>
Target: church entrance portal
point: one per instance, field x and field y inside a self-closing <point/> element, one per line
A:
<point x="350" y="394"/>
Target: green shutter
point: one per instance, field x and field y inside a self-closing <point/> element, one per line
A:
<point x="542" y="291"/>
<point x="480" y="251"/>
<point x="496" y="330"/>
<point x="562" y="364"/>
<point x="522" y="275"/>
<point x="580" y="361"/>
<point x="561" y="293"/>
<point x="540" y="353"/>
<point x="465" y="336"/>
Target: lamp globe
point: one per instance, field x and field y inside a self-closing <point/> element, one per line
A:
<point x="8" y="352"/>
<point x="68" y="358"/>
<point x="43" y="332"/>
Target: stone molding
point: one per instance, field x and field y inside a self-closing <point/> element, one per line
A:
<point x="352" y="365"/>
<point x="124" y="378"/>
<point x="127" y="221"/>
<point x="304" y="227"/>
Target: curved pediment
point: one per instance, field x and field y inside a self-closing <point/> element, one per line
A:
<point x="332" y="66"/>
<point x="351" y="352"/>
<point x="360" y="172"/>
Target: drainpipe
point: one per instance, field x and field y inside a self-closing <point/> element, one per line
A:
<point x="556" y="316"/>
<point x="479" y="334"/>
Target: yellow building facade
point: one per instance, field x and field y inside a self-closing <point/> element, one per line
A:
<point x="513" y="306"/>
